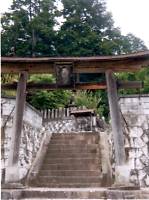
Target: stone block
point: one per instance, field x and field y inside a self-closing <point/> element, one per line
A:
<point x="131" y="163"/>
<point x="142" y="175"/>
<point x="138" y="164"/>
<point x="131" y="119"/>
<point x="144" y="99"/>
<point x="131" y="154"/>
<point x="146" y="180"/>
<point x="22" y="172"/>
<point x="122" y="175"/>
<point x="128" y="100"/>
<point x="145" y="138"/>
<point x="145" y="126"/>
<point x="144" y="160"/>
<point x="145" y="105"/>
<point x="141" y="120"/>
<point x="136" y="101"/>
<point x="145" y="111"/>
<point x="122" y="101"/>
<point x="139" y="143"/>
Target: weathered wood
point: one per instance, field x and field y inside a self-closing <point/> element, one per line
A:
<point x="117" y="130"/>
<point x="131" y="62"/>
<point x="78" y="86"/>
<point x="37" y="86"/>
<point x="129" y="84"/>
<point x="18" y="117"/>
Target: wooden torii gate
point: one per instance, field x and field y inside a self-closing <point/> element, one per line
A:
<point x="64" y="68"/>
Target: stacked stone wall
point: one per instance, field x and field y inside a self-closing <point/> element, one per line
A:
<point x="31" y="136"/>
<point x="135" y="114"/>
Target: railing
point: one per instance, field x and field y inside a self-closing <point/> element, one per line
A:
<point x="8" y="118"/>
<point x="3" y="138"/>
<point x="60" y="113"/>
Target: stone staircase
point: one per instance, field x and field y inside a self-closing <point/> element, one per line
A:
<point x="72" y="170"/>
<point x="72" y="160"/>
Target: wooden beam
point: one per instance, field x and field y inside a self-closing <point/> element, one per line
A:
<point x="47" y="86"/>
<point x="98" y="64"/>
<point x="129" y="84"/>
<point x="117" y="130"/>
<point x="78" y="86"/>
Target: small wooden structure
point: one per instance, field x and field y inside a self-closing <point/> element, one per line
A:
<point x="67" y="68"/>
<point x="84" y="119"/>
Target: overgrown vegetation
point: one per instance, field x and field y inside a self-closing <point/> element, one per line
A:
<point x="44" y="99"/>
<point x="80" y="28"/>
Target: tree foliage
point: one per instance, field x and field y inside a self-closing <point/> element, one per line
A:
<point x="142" y="75"/>
<point x="48" y="100"/>
<point x="28" y="29"/>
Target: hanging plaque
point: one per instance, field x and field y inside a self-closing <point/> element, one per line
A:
<point x="64" y="74"/>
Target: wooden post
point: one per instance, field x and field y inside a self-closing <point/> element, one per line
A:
<point x="12" y="171"/>
<point x="118" y="136"/>
<point x="18" y="118"/>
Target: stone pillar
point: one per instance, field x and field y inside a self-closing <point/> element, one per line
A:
<point x="12" y="172"/>
<point x="117" y="131"/>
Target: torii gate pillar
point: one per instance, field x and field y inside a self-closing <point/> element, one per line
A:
<point x="12" y="172"/>
<point x="117" y="131"/>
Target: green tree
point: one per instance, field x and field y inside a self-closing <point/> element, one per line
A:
<point x="92" y="100"/>
<point x="142" y="75"/>
<point x="88" y="30"/>
<point x="47" y="99"/>
<point x="83" y="29"/>
<point x="28" y="28"/>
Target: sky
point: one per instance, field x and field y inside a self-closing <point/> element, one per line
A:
<point x="131" y="16"/>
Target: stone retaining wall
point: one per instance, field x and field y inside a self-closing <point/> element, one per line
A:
<point x="31" y="136"/>
<point x="70" y="125"/>
<point x="60" y="126"/>
<point x="135" y="113"/>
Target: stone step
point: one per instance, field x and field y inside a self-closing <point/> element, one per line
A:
<point x="74" y="149"/>
<point x="91" y="140"/>
<point x="71" y="142"/>
<point x="130" y="196"/>
<point x="68" y="185"/>
<point x="75" y="166"/>
<point x="77" y="136"/>
<point x="63" y="193"/>
<point x="72" y="154"/>
<point x="71" y="160"/>
<point x="70" y="173"/>
<point x="71" y="146"/>
<point x="68" y="179"/>
<point x="57" y="198"/>
<point x="72" y="193"/>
